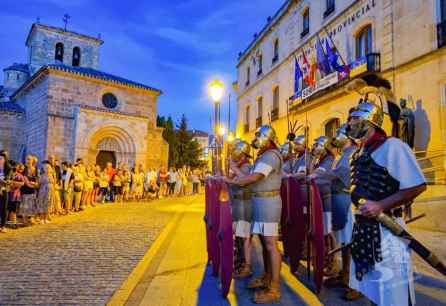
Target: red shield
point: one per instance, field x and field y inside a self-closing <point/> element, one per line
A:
<point x="317" y="236"/>
<point x="292" y="221"/>
<point x="226" y="241"/>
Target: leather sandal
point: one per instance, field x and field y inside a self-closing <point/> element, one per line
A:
<point x="269" y="295"/>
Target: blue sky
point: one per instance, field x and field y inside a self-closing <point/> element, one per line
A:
<point x="176" y="46"/>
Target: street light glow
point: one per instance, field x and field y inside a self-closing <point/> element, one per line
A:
<point x="221" y="130"/>
<point x="216" y="90"/>
<point x="230" y="137"/>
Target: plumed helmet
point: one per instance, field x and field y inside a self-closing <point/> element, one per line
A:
<point x="369" y="114"/>
<point x="263" y="136"/>
<point x="321" y="145"/>
<point x="300" y="140"/>
<point x="287" y="148"/>
<point x="240" y="147"/>
<point x="341" y="137"/>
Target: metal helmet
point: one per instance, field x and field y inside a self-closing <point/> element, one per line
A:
<point x="300" y="140"/>
<point x="241" y="147"/>
<point x="321" y="145"/>
<point x="342" y="136"/>
<point x="369" y="115"/>
<point x="263" y="136"/>
<point x="287" y="148"/>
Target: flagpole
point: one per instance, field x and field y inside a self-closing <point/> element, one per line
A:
<point x="332" y="42"/>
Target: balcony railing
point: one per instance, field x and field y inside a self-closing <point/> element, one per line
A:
<point x="259" y="122"/>
<point x="329" y="10"/>
<point x="366" y="64"/>
<point x="441" y="34"/>
<point x="246" y="128"/>
<point x="275" y="114"/>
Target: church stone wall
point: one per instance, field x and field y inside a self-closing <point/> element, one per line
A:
<point x="66" y="92"/>
<point x="35" y="103"/>
<point x="42" y="47"/>
<point x="11" y="134"/>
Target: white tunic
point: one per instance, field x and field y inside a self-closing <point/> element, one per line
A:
<point x="391" y="280"/>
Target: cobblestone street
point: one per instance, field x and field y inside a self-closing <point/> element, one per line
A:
<point x="80" y="259"/>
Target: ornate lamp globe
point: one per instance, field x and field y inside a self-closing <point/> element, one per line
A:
<point x="216" y="90"/>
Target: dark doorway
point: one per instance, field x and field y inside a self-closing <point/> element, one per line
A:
<point x="105" y="157"/>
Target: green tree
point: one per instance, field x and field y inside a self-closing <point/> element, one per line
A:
<point x="187" y="150"/>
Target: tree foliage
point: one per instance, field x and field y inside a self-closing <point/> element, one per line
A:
<point x="184" y="150"/>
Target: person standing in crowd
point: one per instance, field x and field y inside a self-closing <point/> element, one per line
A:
<point x="110" y="173"/>
<point x="172" y="181"/>
<point x="67" y="187"/>
<point x="78" y="186"/>
<point x="265" y="180"/>
<point x="103" y="186"/>
<point x="5" y="173"/>
<point x="89" y="186"/>
<point x="137" y="184"/>
<point x="179" y="182"/>
<point x="117" y="186"/>
<point x="195" y="181"/>
<point x="14" y="197"/>
<point x="163" y="177"/>
<point x="45" y="197"/>
<point x="57" y="172"/>
<point x="29" y="190"/>
<point x="126" y="181"/>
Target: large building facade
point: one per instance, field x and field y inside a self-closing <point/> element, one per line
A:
<point x="401" y="40"/>
<point x="60" y="103"/>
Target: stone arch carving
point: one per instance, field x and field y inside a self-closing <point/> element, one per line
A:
<point x="112" y="138"/>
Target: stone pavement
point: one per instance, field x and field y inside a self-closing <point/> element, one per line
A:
<point x="179" y="276"/>
<point x="79" y="259"/>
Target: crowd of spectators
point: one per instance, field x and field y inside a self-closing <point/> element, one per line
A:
<point x="35" y="192"/>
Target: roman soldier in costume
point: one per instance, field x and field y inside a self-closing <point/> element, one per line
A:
<point x="323" y="158"/>
<point x="241" y="206"/>
<point x="303" y="155"/>
<point x="289" y="158"/>
<point x="385" y="176"/>
<point x="265" y="181"/>
<point x="342" y="216"/>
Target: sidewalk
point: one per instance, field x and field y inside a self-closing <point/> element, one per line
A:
<point x="177" y="274"/>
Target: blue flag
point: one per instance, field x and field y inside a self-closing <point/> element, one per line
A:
<point x="322" y="60"/>
<point x="333" y="57"/>
<point x="297" y="76"/>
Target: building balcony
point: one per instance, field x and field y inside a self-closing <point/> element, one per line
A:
<point x="275" y="114"/>
<point x="329" y="10"/>
<point x="304" y="32"/>
<point x="365" y="64"/>
<point x="246" y="128"/>
<point x="259" y="122"/>
<point x="441" y="34"/>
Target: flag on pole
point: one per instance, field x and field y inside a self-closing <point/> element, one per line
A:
<point x="307" y="73"/>
<point x="322" y="60"/>
<point x="297" y="76"/>
<point x="333" y="57"/>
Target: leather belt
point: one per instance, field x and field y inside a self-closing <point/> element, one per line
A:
<point x="242" y="196"/>
<point x="265" y="194"/>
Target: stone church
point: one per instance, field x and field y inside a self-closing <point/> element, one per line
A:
<point x="60" y="103"/>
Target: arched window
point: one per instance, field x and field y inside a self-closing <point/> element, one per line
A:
<point x="59" y="52"/>
<point x="76" y="56"/>
<point x="331" y="126"/>
<point x="364" y="42"/>
<point x="259" y="118"/>
<point x="248" y="73"/>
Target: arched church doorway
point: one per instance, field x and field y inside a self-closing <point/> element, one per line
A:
<point x="105" y="157"/>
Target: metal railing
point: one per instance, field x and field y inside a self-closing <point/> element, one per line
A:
<point x="441" y="34"/>
<point x="433" y="165"/>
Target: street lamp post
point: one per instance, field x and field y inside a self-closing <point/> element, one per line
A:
<point x="216" y="93"/>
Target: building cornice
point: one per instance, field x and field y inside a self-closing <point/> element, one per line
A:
<point x="61" y="31"/>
